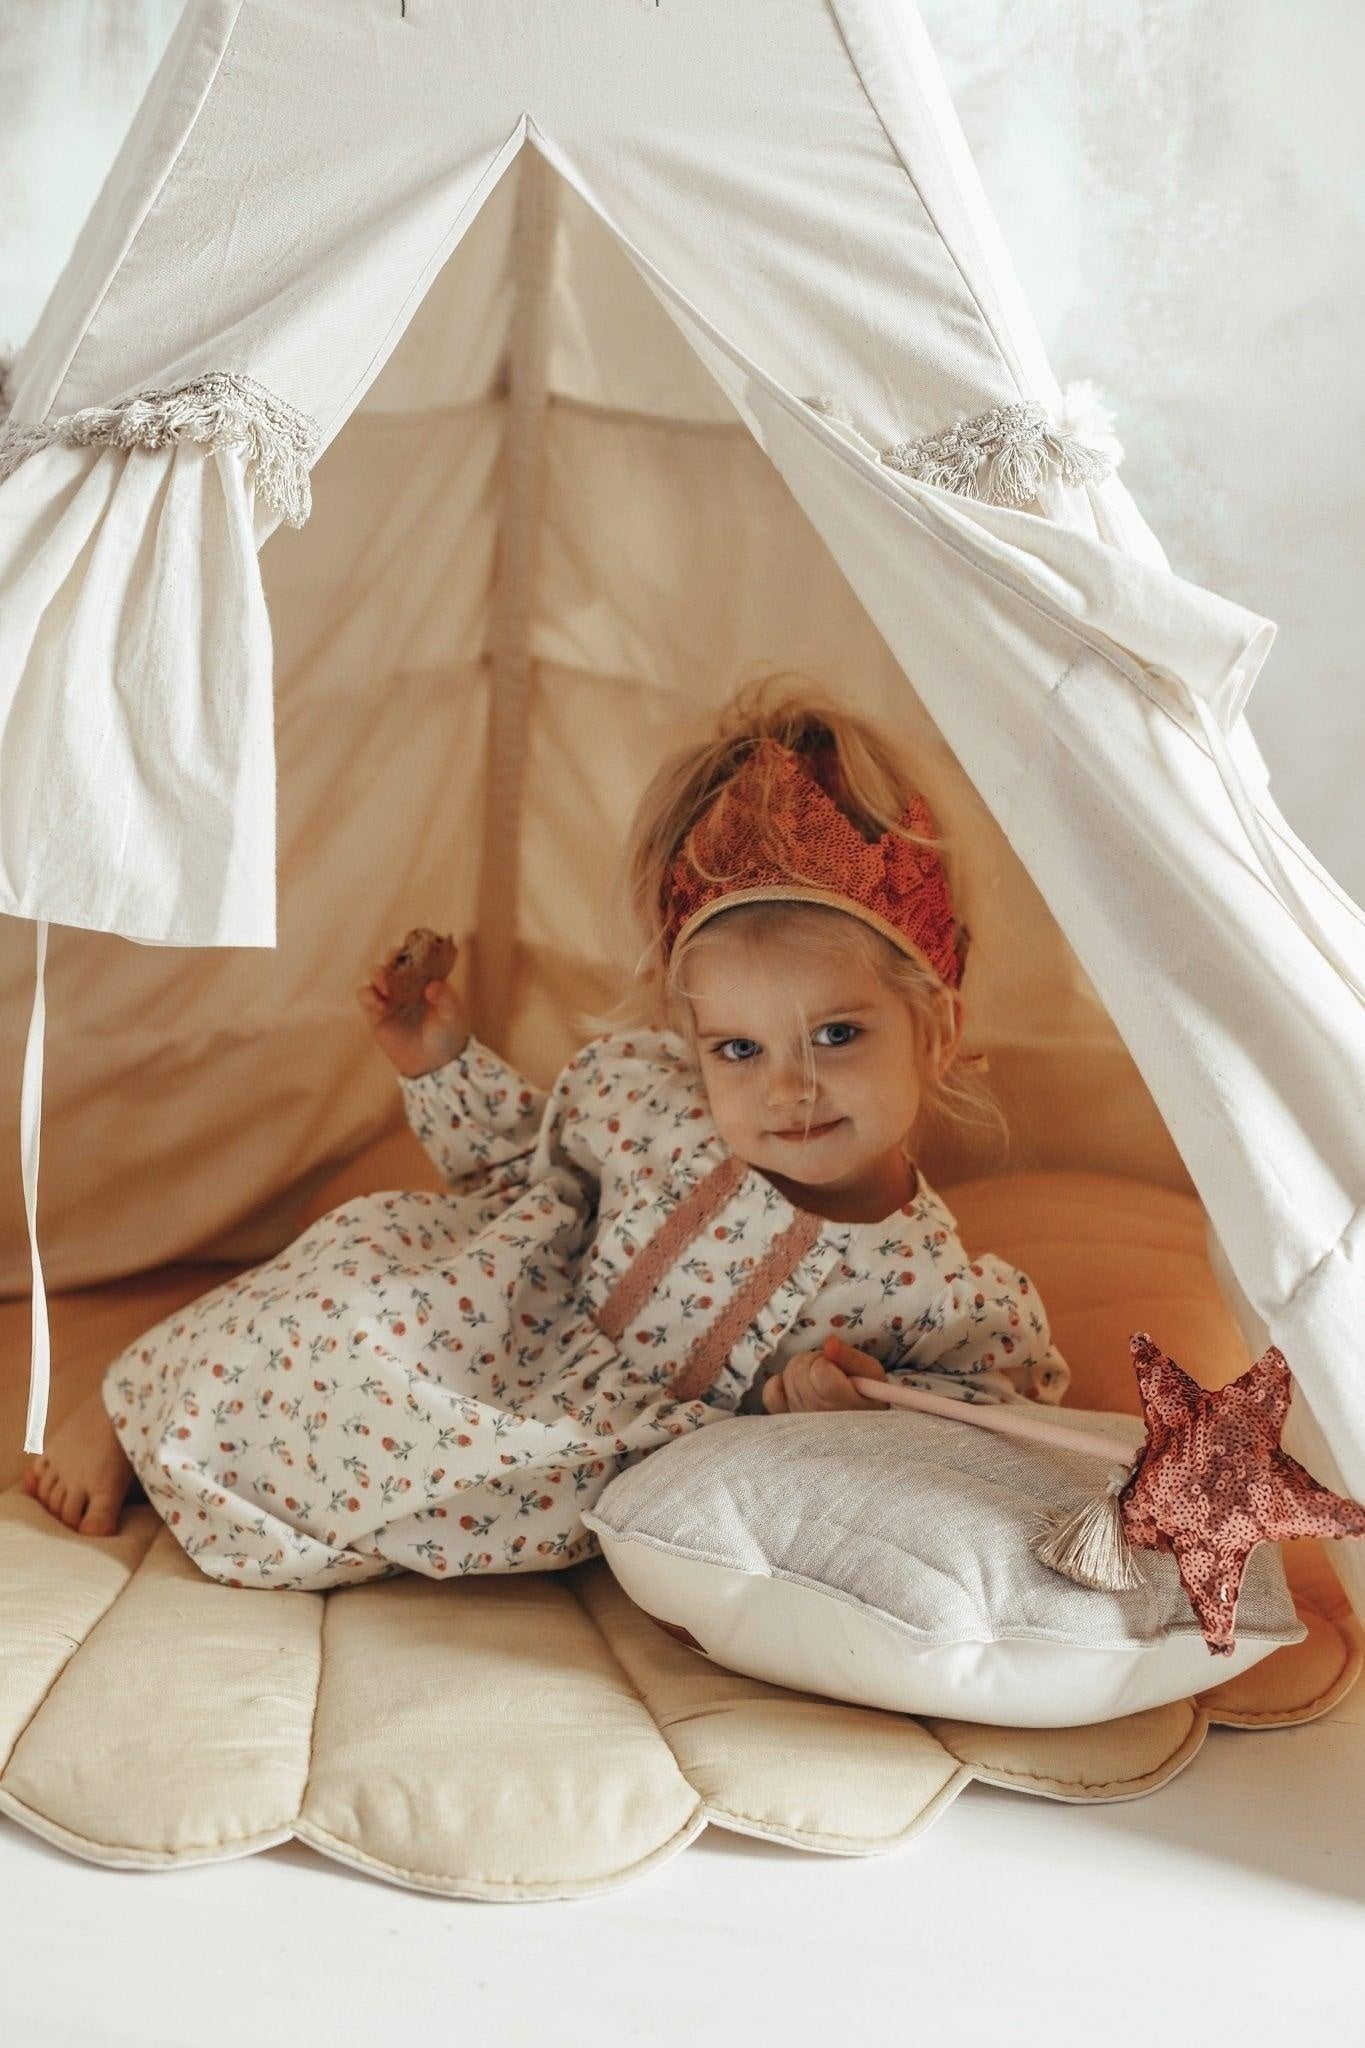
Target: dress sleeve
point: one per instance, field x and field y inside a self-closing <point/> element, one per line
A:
<point x="987" y="1330"/>
<point x="478" y="1120"/>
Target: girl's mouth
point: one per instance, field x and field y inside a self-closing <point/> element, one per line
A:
<point x="815" y="1131"/>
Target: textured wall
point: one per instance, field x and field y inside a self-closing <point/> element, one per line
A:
<point x="1182" y="190"/>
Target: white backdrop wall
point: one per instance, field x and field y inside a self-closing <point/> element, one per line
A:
<point x="1181" y="189"/>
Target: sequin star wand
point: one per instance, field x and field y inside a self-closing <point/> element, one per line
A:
<point x="1209" y="1484"/>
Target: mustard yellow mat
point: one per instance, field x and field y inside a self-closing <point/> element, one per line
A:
<point x="538" y="1737"/>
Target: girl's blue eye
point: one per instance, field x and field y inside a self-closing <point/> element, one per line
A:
<point x="725" y="1050"/>
<point x="738" y="1050"/>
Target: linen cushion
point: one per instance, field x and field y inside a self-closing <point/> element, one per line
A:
<point x="885" y="1559"/>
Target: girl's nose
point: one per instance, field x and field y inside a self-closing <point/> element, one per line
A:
<point x="789" y="1086"/>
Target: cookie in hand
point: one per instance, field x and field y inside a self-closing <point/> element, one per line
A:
<point x="423" y="956"/>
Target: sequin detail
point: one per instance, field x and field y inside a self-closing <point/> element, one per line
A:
<point x="1213" y="1482"/>
<point x="807" y="850"/>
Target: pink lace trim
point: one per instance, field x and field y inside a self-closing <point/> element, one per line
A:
<point x="714" y="1346"/>
<point x="672" y="1238"/>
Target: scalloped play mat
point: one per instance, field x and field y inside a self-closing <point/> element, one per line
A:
<point x="540" y="1737"/>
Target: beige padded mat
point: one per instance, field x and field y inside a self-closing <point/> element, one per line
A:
<point x="538" y="1737"/>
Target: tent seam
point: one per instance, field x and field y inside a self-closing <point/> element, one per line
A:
<point x="988" y="322"/>
<point x="493" y="175"/>
<point x="512" y="666"/>
<point x="127" y="248"/>
<point x="1334" y="1250"/>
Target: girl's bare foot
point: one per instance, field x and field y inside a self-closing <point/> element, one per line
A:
<point x="83" y="1475"/>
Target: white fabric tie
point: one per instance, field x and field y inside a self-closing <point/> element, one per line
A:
<point x="30" y="1120"/>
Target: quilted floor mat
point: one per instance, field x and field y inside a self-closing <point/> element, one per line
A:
<point x="499" y="1738"/>
<point x="538" y="1737"/>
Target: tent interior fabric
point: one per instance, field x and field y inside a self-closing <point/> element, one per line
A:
<point x="629" y="348"/>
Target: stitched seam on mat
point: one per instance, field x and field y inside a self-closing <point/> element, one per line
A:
<point x="268" y="1839"/>
<point x="610" y="1650"/>
<point x="71" y="1657"/>
<point x="1198" y="1715"/>
<point x="472" y="1877"/>
<point x="957" y="1780"/>
<point x="1287" y="1719"/>
<point x="313" y="1717"/>
<point x="661" y="1726"/>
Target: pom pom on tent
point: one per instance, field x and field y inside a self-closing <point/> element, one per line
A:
<point x="1005" y="454"/>
<point x="1002" y="455"/>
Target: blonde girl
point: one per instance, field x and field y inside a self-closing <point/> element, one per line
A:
<point x="715" y="1207"/>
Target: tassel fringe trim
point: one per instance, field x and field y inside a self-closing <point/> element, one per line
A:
<point x="1001" y="456"/>
<point x="1090" y="1546"/>
<point x="222" y="409"/>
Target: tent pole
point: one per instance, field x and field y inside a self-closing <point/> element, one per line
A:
<point x="510" y="672"/>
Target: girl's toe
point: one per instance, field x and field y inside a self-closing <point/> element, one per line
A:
<point x="100" y="1518"/>
<point x="31" y="1479"/>
<point x="73" y="1506"/>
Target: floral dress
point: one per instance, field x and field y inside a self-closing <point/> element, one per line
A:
<point x="442" y="1382"/>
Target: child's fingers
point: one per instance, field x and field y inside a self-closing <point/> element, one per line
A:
<point x="831" y="1387"/>
<point x="852" y="1361"/>
<point x="807" y="1386"/>
<point x="775" y="1395"/>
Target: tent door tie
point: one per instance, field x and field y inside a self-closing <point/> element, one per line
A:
<point x="30" y="1119"/>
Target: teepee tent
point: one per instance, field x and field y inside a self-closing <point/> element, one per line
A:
<point x="442" y="404"/>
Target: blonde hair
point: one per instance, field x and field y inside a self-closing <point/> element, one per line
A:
<point x="863" y="772"/>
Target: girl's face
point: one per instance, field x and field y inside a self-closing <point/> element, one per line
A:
<point x="832" y="1120"/>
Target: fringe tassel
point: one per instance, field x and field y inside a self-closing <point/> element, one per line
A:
<point x="1089" y="1546"/>
<point x="1003" y="455"/>
<point x="222" y="409"/>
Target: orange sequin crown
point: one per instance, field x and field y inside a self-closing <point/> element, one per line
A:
<point x="898" y="888"/>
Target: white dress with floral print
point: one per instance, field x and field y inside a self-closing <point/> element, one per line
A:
<point x="441" y="1383"/>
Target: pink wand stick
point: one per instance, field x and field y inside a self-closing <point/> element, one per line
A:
<point x="1009" y="1421"/>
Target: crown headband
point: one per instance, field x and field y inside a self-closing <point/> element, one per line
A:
<point x="898" y="888"/>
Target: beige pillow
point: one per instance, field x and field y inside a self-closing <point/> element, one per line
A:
<point x="886" y="1559"/>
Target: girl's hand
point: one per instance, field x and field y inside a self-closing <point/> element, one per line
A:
<point x="817" y="1382"/>
<point x="420" y="1036"/>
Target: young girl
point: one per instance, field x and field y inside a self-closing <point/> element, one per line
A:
<point x="704" y="1214"/>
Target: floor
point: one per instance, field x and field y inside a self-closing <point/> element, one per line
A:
<point x="1229" y="1907"/>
